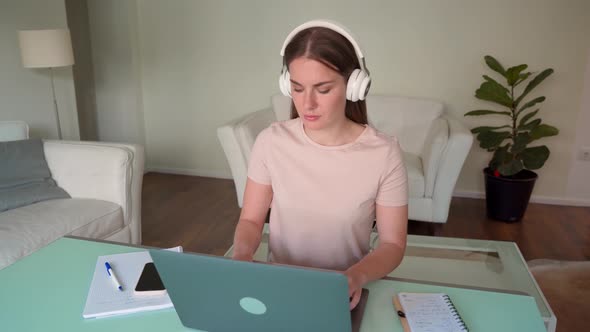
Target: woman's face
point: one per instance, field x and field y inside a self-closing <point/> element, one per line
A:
<point x="318" y="92"/>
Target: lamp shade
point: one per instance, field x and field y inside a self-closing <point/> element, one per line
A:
<point x="46" y="48"/>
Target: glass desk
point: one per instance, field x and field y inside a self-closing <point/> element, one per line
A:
<point x="478" y="264"/>
<point x="46" y="291"/>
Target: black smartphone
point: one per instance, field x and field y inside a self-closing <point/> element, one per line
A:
<point x="149" y="282"/>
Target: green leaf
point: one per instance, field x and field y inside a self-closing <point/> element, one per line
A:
<point x="513" y="74"/>
<point x="491" y="139"/>
<point x="495" y="65"/>
<point x="484" y="112"/>
<point x="526" y="118"/>
<point x="505" y="162"/>
<point x="494" y="92"/>
<point x="530" y="126"/>
<point x="501" y="155"/>
<point x="531" y="103"/>
<point x="533" y="83"/>
<point x="477" y="130"/>
<point x="543" y="131"/>
<point x="510" y="168"/>
<point x="493" y="81"/>
<point x="520" y="142"/>
<point x="522" y="78"/>
<point x="535" y="157"/>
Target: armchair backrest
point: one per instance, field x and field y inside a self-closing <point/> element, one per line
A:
<point x="408" y="119"/>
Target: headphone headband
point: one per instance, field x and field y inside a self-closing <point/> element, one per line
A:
<point x="359" y="81"/>
<point x="332" y="25"/>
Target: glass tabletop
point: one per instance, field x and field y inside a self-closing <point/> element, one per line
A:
<point x="492" y="265"/>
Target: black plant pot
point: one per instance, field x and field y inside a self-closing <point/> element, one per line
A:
<point x="508" y="197"/>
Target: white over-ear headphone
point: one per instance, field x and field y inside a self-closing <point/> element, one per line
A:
<point x="359" y="81"/>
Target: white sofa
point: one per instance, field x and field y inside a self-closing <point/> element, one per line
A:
<point x="104" y="181"/>
<point x="435" y="146"/>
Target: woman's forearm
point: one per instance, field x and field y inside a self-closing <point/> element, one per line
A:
<point x="246" y="239"/>
<point x="378" y="263"/>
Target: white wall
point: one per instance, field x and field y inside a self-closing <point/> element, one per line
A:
<point x="113" y="29"/>
<point x="25" y="94"/>
<point x="206" y="62"/>
<point x="579" y="176"/>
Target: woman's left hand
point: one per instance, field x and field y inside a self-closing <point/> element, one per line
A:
<point x="355" y="287"/>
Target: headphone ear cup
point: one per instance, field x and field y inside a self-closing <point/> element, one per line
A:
<point x="351" y="86"/>
<point x="364" y="86"/>
<point x="285" y="82"/>
<point x="356" y="91"/>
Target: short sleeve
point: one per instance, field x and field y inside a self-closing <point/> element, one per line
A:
<point x="257" y="165"/>
<point x="393" y="187"/>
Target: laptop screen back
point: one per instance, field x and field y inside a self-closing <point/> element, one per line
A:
<point x="219" y="294"/>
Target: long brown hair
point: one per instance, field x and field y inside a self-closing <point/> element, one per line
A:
<point x="333" y="50"/>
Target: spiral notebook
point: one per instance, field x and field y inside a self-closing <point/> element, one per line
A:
<point x="428" y="312"/>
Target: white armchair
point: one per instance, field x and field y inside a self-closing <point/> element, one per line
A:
<point x="435" y="146"/>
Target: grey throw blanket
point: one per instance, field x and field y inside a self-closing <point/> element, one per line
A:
<point x="24" y="175"/>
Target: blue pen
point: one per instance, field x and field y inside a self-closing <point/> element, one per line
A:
<point x="113" y="276"/>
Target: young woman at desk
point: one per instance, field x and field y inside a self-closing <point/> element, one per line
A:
<point x="326" y="174"/>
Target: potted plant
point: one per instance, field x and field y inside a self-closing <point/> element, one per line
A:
<point x="509" y="179"/>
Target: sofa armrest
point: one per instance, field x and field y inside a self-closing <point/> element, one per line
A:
<point x="106" y="171"/>
<point x="13" y="130"/>
<point x="451" y="163"/>
<point x="237" y="138"/>
<point x="432" y="152"/>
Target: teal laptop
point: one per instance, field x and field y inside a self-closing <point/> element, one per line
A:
<point x="218" y="294"/>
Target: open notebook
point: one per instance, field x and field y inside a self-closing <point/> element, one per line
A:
<point x="428" y="312"/>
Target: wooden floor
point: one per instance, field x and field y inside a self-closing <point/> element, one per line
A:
<point x="201" y="213"/>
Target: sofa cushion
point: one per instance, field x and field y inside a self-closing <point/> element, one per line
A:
<point x="24" y="175"/>
<point x="26" y="229"/>
<point x="416" y="182"/>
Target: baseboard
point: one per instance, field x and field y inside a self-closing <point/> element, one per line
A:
<point x="534" y="198"/>
<point x="192" y="172"/>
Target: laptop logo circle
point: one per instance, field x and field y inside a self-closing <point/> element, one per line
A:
<point x="253" y="306"/>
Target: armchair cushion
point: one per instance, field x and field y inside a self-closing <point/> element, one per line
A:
<point x="281" y="106"/>
<point x="415" y="175"/>
<point x="24" y="175"/>
<point x="406" y="118"/>
<point x="432" y="153"/>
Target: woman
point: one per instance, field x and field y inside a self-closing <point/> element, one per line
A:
<point x="326" y="174"/>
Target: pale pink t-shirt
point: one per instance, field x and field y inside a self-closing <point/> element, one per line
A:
<point x="324" y="197"/>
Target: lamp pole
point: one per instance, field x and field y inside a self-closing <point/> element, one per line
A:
<point x="55" y="104"/>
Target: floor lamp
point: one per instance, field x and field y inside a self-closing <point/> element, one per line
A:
<point x="47" y="49"/>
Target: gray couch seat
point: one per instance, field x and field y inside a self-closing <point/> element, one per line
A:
<point x="24" y="230"/>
